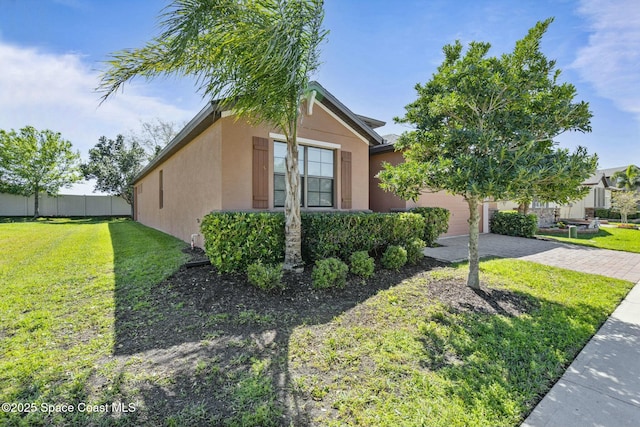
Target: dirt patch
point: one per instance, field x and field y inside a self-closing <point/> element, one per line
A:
<point x="199" y="337"/>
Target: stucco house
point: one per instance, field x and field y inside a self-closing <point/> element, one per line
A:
<point x="382" y="201"/>
<point x="218" y="162"/>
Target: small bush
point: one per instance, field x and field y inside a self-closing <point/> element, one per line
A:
<point x="328" y="273"/>
<point x="362" y="264"/>
<point x="265" y="277"/>
<point x="415" y="252"/>
<point x="511" y="223"/>
<point x="394" y="257"/>
<point x="436" y="223"/>
<point x="602" y="213"/>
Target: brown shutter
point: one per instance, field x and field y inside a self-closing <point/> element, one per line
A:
<point x="260" y="173"/>
<point x="345" y="179"/>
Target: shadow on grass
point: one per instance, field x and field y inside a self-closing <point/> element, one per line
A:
<point x="493" y="362"/>
<point x="203" y="348"/>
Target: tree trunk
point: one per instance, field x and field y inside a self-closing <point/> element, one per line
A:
<point x="293" y="223"/>
<point x="36" y="209"/>
<point x="473" y="280"/>
<point x="523" y="208"/>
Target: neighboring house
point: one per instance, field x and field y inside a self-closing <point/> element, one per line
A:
<point x="218" y="162"/>
<point x="599" y="196"/>
<point x="382" y="201"/>
<point x="600" y="186"/>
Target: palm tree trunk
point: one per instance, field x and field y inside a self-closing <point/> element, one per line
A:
<point x="293" y="223"/>
<point x="473" y="280"/>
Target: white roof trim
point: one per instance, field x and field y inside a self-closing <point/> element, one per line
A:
<point x="307" y="141"/>
<point x="342" y="122"/>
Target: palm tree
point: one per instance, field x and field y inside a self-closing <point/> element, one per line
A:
<point x="629" y="179"/>
<point x="257" y="56"/>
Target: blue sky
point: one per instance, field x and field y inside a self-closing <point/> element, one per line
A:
<point x="51" y="54"/>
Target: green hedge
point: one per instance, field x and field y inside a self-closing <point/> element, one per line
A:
<point x="612" y="214"/>
<point x="340" y="234"/>
<point x="234" y="240"/>
<point x="436" y="223"/>
<point x="512" y="223"/>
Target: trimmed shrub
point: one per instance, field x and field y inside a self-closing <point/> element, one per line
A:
<point x="328" y="273"/>
<point x="341" y="234"/>
<point x="512" y="223"/>
<point x="233" y="240"/>
<point x="436" y="223"/>
<point x="362" y="264"/>
<point x="265" y="277"/>
<point x="414" y="250"/>
<point x="394" y="257"/>
<point x="613" y="214"/>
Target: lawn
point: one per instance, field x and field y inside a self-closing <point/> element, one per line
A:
<point x="57" y="312"/>
<point x="92" y="319"/>
<point x="618" y="239"/>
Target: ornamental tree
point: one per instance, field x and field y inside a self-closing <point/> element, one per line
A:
<point x="34" y="162"/>
<point x="255" y="57"/>
<point x="484" y="127"/>
<point x="625" y="202"/>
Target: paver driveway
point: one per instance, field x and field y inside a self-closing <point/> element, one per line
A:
<point x="617" y="264"/>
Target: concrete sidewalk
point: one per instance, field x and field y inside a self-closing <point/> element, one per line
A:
<point x="602" y="385"/>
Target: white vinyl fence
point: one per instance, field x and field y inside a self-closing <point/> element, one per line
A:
<point x="67" y="205"/>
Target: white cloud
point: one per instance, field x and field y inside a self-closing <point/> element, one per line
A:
<point x="611" y="60"/>
<point x="57" y="92"/>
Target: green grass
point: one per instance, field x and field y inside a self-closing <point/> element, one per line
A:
<point x="618" y="239"/>
<point x="401" y="359"/>
<point x="78" y="318"/>
<point x="57" y="312"/>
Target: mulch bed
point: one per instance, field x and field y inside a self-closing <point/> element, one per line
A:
<point x="198" y="314"/>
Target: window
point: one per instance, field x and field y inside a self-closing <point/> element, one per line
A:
<point x="316" y="175"/>
<point x="537" y="204"/>
<point x="598" y="197"/>
<point x="161" y="191"/>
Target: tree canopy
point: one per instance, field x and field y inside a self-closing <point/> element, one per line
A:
<point x="560" y="181"/>
<point x="154" y="135"/>
<point x="485" y="128"/>
<point x="32" y="162"/>
<point x="114" y="164"/>
<point x="254" y="57"/>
